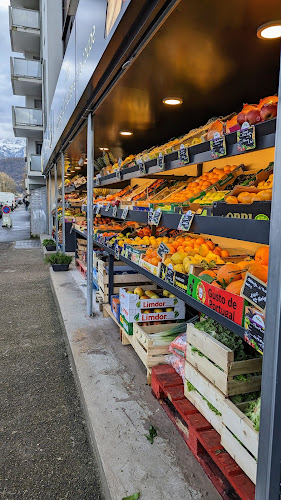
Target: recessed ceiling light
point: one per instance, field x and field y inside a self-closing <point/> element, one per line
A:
<point x="269" y="30"/>
<point x="172" y="101"/>
<point x="124" y="132"/>
<point x="104" y="149"/>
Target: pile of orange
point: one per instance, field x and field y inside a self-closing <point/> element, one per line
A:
<point x="201" y="184"/>
<point x="151" y="256"/>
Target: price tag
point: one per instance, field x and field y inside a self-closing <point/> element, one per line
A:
<point x="156" y="217"/>
<point x="185" y="221"/>
<point x="163" y="249"/>
<point x="218" y="146"/>
<point x="125" y="213"/>
<point x="246" y="137"/>
<point x="98" y="180"/>
<point x="142" y="167"/>
<point x="183" y="155"/>
<point x="254" y="290"/>
<point x="98" y="208"/>
<point x="107" y="207"/>
<point x="150" y="216"/>
<point x="119" y="162"/>
<point x="118" y="174"/>
<point x="117" y="252"/>
<point x="160" y="162"/>
<point x="114" y="211"/>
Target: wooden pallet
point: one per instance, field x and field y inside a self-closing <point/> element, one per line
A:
<point x="81" y="267"/>
<point x="204" y="442"/>
<point x="124" y="337"/>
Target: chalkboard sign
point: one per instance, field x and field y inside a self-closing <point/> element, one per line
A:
<point x="254" y="290"/>
<point x="98" y="208"/>
<point x="254" y="335"/>
<point x="246" y="137"/>
<point x="142" y="167"/>
<point x="185" y="221"/>
<point x="218" y="146"/>
<point x="125" y="213"/>
<point x="167" y="274"/>
<point x="160" y="162"/>
<point x="118" y="174"/>
<point x="156" y="217"/>
<point x="114" y="211"/>
<point x="150" y="215"/>
<point x="107" y="207"/>
<point x="183" y="155"/>
<point x="163" y="249"/>
<point x="116" y="251"/>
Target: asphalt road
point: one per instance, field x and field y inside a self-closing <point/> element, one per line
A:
<point x="45" y="452"/>
<point x="21" y="226"/>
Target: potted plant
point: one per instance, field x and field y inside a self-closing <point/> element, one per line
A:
<point x="59" y="261"/>
<point x="50" y="245"/>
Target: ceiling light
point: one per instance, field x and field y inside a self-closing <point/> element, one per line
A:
<point x="124" y="132"/>
<point x="172" y="101"/>
<point x="269" y="30"/>
<point x="104" y="149"/>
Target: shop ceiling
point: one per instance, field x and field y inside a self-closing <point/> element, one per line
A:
<point x="207" y="54"/>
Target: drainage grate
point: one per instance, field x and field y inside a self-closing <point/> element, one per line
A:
<point x="28" y="244"/>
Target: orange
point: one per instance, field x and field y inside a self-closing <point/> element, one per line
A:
<point x="245" y="197"/>
<point x="262" y="256"/>
<point x="200" y="240"/>
<point x="180" y="248"/>
<point x="209" y="272"/>
<point x="235" y="287"/>
<point x="217" y="251"/>
<point x="259" y="271"/>
<point x="229" y="272"/>
<point x="231" y="200"/>
<point x="176" y="244"/>
<point x="210" y="244"/>
<point x="155" y="261"/>
<point x="224" y="254"/>
<point x="216" y="284"/>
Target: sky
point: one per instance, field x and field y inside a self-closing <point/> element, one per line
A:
<point x="7" y="99"/>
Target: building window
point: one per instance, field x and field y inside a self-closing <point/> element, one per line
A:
<point x="38" y="146"/>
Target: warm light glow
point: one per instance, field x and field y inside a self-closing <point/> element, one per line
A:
<point x="104" y="149"/>
<point x="270" y="30"/>
<point x="72" y="171"/>
<point x="172" y="101"/>
<point x="126" y="133"/>
<point x="77" y="168"/>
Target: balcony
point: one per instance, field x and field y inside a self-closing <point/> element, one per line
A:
<point x="24" y="30"/>
<point x="28" y="122"/>
<point x="25" y="4"/>
<point x="35" y="165"/>
<point x="26" y="76"/>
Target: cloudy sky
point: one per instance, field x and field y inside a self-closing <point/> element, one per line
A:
<point x="7" y="99"/>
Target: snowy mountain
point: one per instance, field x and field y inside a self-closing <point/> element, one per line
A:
<point x="12" y="149"/>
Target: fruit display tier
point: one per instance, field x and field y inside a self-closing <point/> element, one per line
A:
<point x="255" y="231"/>
<point x="239" y="330"/>
<point x="199" y="153"/>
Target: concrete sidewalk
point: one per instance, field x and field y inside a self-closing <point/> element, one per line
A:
<point x="120" y="408"/>
<point x="45" y="452"/>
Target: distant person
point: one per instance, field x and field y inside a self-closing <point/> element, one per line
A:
<point x="26" y="205"/>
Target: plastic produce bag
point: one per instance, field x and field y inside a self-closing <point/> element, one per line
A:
<point x="177" y="362"/>
<point x="178" y="346"/>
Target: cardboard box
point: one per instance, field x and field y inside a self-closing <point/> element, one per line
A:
<point x="259" y="210"/>
<point x="155" y="270"/>
<point x="227" y="304"/>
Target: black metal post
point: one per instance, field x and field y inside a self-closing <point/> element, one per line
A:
<point x="111" y="277"/>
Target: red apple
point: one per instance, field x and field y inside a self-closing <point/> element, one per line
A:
<point x="253" y="116"/>
<point x="268" y="100"/>
<point x="241" y="117"/>
<point x="268" y="111"/>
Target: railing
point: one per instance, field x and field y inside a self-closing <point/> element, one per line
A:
<point x="25" y="18"/>
<point x="26" y="68"/>
<point x="27" y="117"/>
<point x="35" y="163"/>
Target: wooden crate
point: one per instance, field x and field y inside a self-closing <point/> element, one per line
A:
<point x="205" y="395"/>
<point x="235" y="423"/>
<point x="218" y="355"/>
<point x="104" y="289"/>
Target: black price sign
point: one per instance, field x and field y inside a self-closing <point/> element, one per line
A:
<point x="107" y="207"/>
<point x="167" y="274"/>
<point x="142" y="167"/>
<point x="218" y="146"/>
<point x="125" y="213"/>
<point x="162" y="250"/>
<point x="118" y="174"/>
<point x="160" y="162"/>
<point x="183" y="155"/>
<point x="156" y="217"/>
<point x="246" y="137"/>
<point x="254" y="335"/>
<point x="98" y="180"/>
<point x="150" y="215"/>
<point x="98" y="208"/>
<point x="185" y="221"/>
<point x="114" y="211"/>
<point x="254" y="290"/>
<point x="117" y="252"/>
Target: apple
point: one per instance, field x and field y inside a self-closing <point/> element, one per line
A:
<point x="154" y="296"/>
<point x="172" y="296"/>
<point x="146" y="311"/>
<point x="144" y="297"/>
<point x="129" y="291"/>
<point x="157" y="310"/>
<point x="169" y="309"/>
<point x="139" y="291"/>
<point x="253" y="116"/>
<point x="149" y="293"/>
<point x="268" y="111"/>
<point x="166" y="293"/>
<point x="241" y="117"/>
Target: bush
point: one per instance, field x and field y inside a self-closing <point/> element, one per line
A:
<point x="47" y="242"/>
<point x="58" y="258"/>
